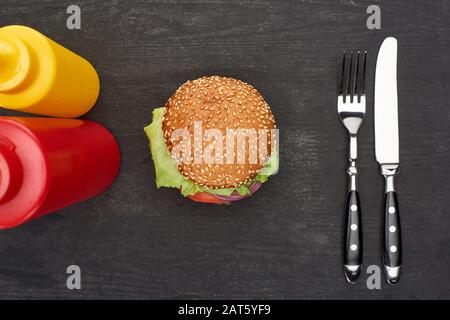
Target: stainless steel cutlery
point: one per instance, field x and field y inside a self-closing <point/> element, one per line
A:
<point x="387" y="153"/>
<point x="351" y="106"/>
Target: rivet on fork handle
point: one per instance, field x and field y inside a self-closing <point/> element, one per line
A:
<point x="353" y="246"/>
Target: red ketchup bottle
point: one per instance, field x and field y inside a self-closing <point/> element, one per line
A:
<point x="47" y="164"/>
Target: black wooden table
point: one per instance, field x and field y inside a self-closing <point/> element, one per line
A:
<point x="134" y="241"/>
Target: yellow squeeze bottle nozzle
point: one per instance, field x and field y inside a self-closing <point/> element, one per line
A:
<point x="38" y="75"/>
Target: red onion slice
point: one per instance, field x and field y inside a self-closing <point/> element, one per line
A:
<point x="235" y="196"/>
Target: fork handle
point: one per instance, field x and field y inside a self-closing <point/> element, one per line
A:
<point x="353" y="238"/>
<point x="353" y="248"/>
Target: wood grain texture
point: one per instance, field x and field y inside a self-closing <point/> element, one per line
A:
<point x="134" y="241"/>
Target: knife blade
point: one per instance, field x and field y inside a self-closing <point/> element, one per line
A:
<point x="386" y="105"/>
<point x="387" y="153"/>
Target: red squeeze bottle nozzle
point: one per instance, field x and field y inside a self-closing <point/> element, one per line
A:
<point x="48" y="164"/>
<point x="10" y="171"/>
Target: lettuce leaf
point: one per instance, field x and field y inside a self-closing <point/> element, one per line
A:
<point x="167" y="174"/>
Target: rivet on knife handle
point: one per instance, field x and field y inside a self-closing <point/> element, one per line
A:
<point x="392" y="238"/>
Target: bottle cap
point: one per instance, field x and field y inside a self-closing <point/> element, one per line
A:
<point x="23" y="172"/>
<point x="11" y="172"/>
<point x="14" y="62"/>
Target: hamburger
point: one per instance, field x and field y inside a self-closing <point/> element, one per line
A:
<point x="215" y="140"/>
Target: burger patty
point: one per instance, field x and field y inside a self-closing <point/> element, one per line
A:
<point x="218" y="103"/>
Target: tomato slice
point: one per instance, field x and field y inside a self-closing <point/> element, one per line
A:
<point x="207" y="198"/>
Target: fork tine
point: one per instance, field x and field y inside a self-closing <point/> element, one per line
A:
<point x="354" y="75"/>
<point x="361" y="77"/>
<point x="358" y="75"/>
<point x="341" y="77"/>
<point x="363" y="81"/>
<point x="346" y="74"/>
<point x="349" y="76"/>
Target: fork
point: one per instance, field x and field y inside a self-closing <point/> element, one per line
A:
<point x="351" y="106"/>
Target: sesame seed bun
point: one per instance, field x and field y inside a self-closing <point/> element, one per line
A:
<point x="219" y="103"/>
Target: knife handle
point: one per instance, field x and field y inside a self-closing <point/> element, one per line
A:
<point x="353" y="238"/>
<point x="392" y="239"/>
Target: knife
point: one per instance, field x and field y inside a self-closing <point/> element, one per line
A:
<point x="387" y="153"/>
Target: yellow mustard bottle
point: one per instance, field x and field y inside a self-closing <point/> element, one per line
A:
<point x="38" y="75"/>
